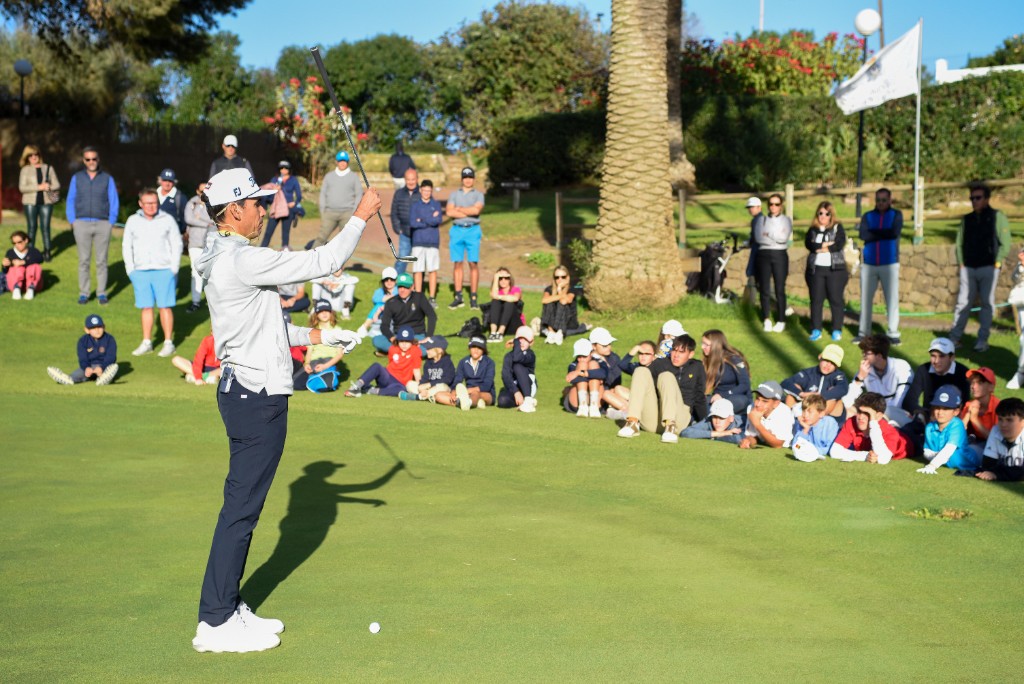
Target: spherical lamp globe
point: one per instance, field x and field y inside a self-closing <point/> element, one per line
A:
<point x="867" y="22"/>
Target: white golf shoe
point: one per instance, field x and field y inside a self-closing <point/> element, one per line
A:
<point x="583" y="411"/>
<point x="145" y="348"/>
<point x="234" y="636"/>
<point x="107" y="376"/>
<point x="529" y="405"/>
<point x="779" y="327"/>
<point x="630" y="429"/>
<point x="167" y="349"/>
<point x="59" y="376"/>
<point x="595" y="411"/>
<point x="1013" y="383"/>
<point x="462" y="397"/>
<point x="251" y="619"/>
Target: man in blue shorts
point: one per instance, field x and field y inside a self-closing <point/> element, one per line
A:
<point x="152" y="254"/>
<point x="463" y="208"/>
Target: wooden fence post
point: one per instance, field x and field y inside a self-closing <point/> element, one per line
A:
<point x="558" y="220"/>
<point x="789" y="201"/>
<point x="682" y="218"/>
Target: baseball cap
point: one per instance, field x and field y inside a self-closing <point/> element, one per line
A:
<point x="341" y="156"/>
<point x="833" y="353"/>
<point x="721" y="408"/>
<point x="582" y="347"/>
<point x="753" y="202"/>
<point x="673" y="327"/>
<point x="322" y="305"/>
<point x="525" y="331"/>
<point x="943" y="345"/>
<point x="405" y="334"/>
<point x="437" y="341"/>
<point x="770" y="390"/>
<point x="389" y="272"/>
<point x="169" y="175"/>
<point x="478" y="341"/>
<point x="805" y="451"/>
<point x="284" y="164"/>
<point x="947" y="396"/>
<point x="405" y="280"/>
<point x="234" y="185"/>
<point x="601" y="336"/>
<point x="986" y="373"/>
<point x="94" y="321"/>
<point x="230" y="141"/>
<point x="468" y="172"/>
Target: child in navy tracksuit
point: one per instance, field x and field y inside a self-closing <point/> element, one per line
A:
<point x="97" y="356"/>
<point x="519" y="373"/>
<point x="474" y="379"/>
<point x="438" y="371"/>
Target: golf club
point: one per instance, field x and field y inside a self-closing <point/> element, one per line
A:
<point x="348" y="134"/>
<point x="395" y="456"/>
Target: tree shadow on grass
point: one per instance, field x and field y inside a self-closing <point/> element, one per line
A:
<point x="312" y="510"/>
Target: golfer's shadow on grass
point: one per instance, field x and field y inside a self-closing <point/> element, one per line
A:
<point x="312" y="509"/>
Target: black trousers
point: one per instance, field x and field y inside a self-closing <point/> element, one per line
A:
<point x="772" y="264"/>
<point x="256" y="424"/>
<point x="525" y="381"/>
<point x="824" y="284"/>
<point x="503" y="314"/>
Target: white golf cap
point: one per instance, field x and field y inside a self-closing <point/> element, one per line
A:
<point x="601" y="336"/>
<point x="673" y="327"/>
<point x="753" y="202"/>
<point x="389" y="272"/>
<point x="582" y="347"/>
<point x="233" y="185"/>
<point x="805" y="451"/>
<point x="525" y="332"/>
<point x="721" y="408"/>
<point x="943" y="345"/>
<point x="230" y="141"/>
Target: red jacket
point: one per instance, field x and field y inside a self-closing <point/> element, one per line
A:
<point x="852" y="438"/>
<point x="206" y="357"/>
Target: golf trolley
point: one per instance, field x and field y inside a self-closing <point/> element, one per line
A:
<point x="711" y="278"/>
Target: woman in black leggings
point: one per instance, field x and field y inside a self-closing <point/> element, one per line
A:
<point x="772" y="262"/>
<point x="505" y="313"/>
<point x="826" y="270"/>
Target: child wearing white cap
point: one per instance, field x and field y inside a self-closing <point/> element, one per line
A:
<point x="519" y="373"/>
<point x="606" y="380"/>
<point x="388" y="289"/>
<point x="721" y="424"/>
<point x="577" y="394"/>
<point x="670" y="330"/>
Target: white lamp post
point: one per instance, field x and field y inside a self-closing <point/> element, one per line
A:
<point x="868" y="21"/>
<point x="23" y="68"/>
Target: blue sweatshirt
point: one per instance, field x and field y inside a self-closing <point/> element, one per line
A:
<point x="482" y="377"/>
<point x="424" y="224"/>
<point x="439" y="372"/>
<point x="831" y="386"/>
<point x="734" y="384"/>
<point x="881" y="236"/>
<point x="519" y="357"/>
<point x="93" y="352"/>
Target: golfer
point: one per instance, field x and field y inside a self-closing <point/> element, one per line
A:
<point x="252" y="342"/>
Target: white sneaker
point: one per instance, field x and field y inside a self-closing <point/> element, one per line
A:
<point x="481" y="404"/>
<point x="789" y="311"/>
<point x="30" y="293"/>
<point x="595" y="411"/>
<point x="779" y="327"/>
<point x="107" y="376"/>
<point x="615" y="414"/>
<point x="767" y="325"/>
<point x="529" y="405"/>
<point x="16" y="293"/>
<point x="462" y="395"/>
<point x="167" y="349"/>
<point x="1013" y="383"/>
<point x="669" y="436"/>
<point x="583" y="411"/>
<point x="234" y="636"/>
<point x="145" y="348"/>
<point x="346" y="313"/>
<point x="535" y="325"/>
<point x="630" y="429"/>
<point x="62" y="378"/>
<point x="251" y="619"/>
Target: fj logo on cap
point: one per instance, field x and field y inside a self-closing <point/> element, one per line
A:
<point x="238" y="192"/>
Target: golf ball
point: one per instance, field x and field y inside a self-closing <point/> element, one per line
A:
<point x="374" y="627"/>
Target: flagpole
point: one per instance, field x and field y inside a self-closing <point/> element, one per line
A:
<point x="918" y="208"/>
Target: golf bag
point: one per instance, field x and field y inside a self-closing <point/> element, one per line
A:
<point x="710" y="278"/>
<point x="471" y="328"/>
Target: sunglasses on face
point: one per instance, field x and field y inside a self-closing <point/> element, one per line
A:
<point x="561" y="277"/>
<point x="775" y="204"/>
<point x="90" y="159"/>
<point x="824" y="213"/>
<point x="504" y="277"/>
<point x="977" y="198"/>
<point x="386" y="280"/>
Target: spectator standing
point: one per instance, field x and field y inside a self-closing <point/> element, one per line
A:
<point x="399" y="165"/>
<point x="339" y="196"/>
<point x="230" y="159"/>
<point x="982" y="243"/>
<point x="39" y="185"/>
<point x="772" y="236"/>
<point x="463" y="208"/>
<point x="172" y="201"/>
<point x="152" y="253"/>
<point x="289" y="186"/>
<point x="91" y="209"/>
<point x="97" y="356"/>
<point x="405" y="195"/>
<point x="198" y="227"/>
<point x="880" y="231"/>
<point x="424" y="220"/>
<point x="826" y="270"/>
<point x="756" y="219"/>
<point x="23" y="267"/>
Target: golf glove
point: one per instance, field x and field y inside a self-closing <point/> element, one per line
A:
<point x="927" y="470"/>
<point x="346" y="339"/>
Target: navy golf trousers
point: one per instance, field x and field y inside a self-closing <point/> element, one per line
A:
<point x="256" y="424"/>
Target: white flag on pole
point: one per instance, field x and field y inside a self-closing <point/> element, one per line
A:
<point x="891" y="74"/>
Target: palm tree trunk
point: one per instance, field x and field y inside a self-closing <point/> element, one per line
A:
<point x="681" y="172"/>
<point x="635" y="250"/>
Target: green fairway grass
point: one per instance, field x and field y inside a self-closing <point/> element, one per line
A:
<point x="514" y="547"/>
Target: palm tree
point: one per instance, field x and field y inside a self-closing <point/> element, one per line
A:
<point x="681" y="172"/>
<point x="635" y="250"/>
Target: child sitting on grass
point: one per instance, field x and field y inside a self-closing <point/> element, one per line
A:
<point x="97" y="356"/>
<point x="1004" y="451"/>
<point x="868" y="436"/>
<point x="519" y="373"/>
<point x="769" y="421"/>
<point x="204" y="369"/>
<point x="321" y="362"/>
<point x="721" y="424"/>
<point x="438" y="371"/>
<point x="474" y="379"/>
<point x="979" y="414"/>
<point x="339" y="289"/>
<point x="577" y="394"/>
<point x="401" y="374"/>
<point x="387" y="290"/>
<point x="670" y="330"/>
<point x="813" y="434"/>
<point x="606" y="380"/>
<point x="945" y="437"/>
<point x="825" y="379"/>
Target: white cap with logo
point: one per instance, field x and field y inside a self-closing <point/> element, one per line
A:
<point x="230" y="141"/>
<point x="233" y="185"/>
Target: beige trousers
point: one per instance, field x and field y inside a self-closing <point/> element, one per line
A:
<point x="657" y="402"/>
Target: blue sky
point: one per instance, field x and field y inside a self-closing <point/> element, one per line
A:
<point x="953" y="30"/>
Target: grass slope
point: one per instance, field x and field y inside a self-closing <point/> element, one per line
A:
<point x="525" y="548"/>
